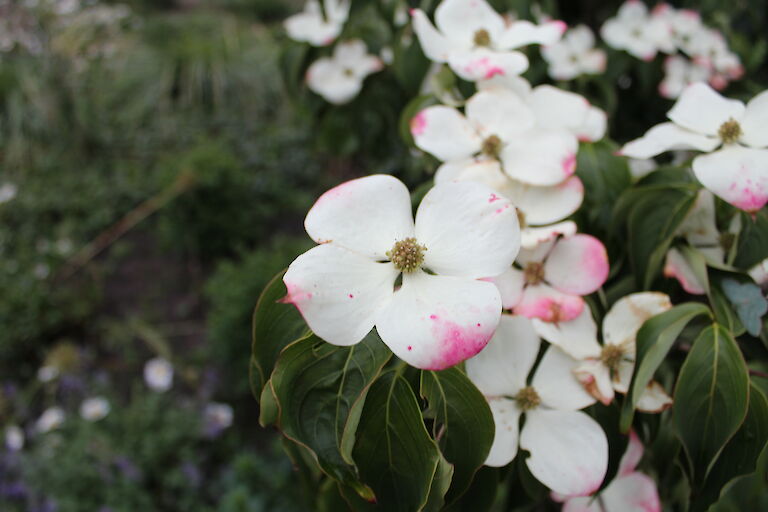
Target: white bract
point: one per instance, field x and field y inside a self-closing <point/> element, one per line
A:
<point x="51" y="419"/>
<point x="94" y="408"/>
<point x="346" y="285"/>
<point x="568" y="449"/>
<point x="575" y="54"/>
<point x="629" y="491"/>
<point x="158" y="374"/>
<point x="548" y="281"/>
<point x="636" y="32"/>
<point x="679" y="73"/>
<point x="339" y="78"/>
<point x="316" y="27"/>
<point x="760" y="273"/>
<point x="608" y="368"/>
<point x="703" y="120"/>
<point x="476" y="41"/>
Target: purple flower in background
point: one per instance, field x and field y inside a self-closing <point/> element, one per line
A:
<point x="192" y="473"/>
<point x="127" y="468"/>
<point x="216" y="418"/>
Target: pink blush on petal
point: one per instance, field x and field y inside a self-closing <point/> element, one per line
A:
<point x="595" y="262"/>
<point x="419" y="124"/>
<point x="569" y="164"/>
<point x="295" y="296"/>
<point x="493" y="71"/>
<point x="550" y="309"/>
<point x="457" y="343"/>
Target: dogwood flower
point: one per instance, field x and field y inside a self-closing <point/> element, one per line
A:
<point x="315" y="27"/>
<point x="441" y="314"/>
<point x="704" y="120"/>
<point x="339" y="78"/>
<point x="550" y="279"/>
<point x="568" y="449"/>
<point x="636" y="32"/>
<point x="682" y="27"/>
<point x="607" y="368"/>
<point x="94" y="408"/>
<point x="51" y="419"/>
<point x="630" y="490"/>
<point x="14" y="438"/>
<point x="476" y="42"/>
<point x="158" y="374"/>
<point x="679" y="73"/>
<point x="711" y="50"/>
<point x="575" y="54"/>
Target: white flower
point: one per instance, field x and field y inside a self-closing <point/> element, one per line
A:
<point x="14" y="438"/>
<point x="568" y="449"/>
<point x="47" y="373"/>
<point x="639" y="167"/>
<point x="315" y="27"/>
<point x="158" y="374"/>
<point x="760" y="273"/>
<point x="476" y="42"/>
<point x="704" y="120"/>
<point x="608" y="368"/>
<point x="218" y="415"/>
<point x="630" y="490"/>
<point x="634" y="31"/>
<point x="338" y="79"/>
<point x="346" y="285"/>
<point x="8" y="192"/>
<point x="575" y="54"/>
<point x="711" y="50"/>
<point x="683" y="26"/>
<point x="679" y="73"/>
<point x="95" y="408"/>
<point x="51" y="419"/>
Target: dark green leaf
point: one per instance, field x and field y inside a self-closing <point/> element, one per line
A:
<point x="711" y="399"/>
<point x="653" y="341"/>
<point x="463" y="423"/>
<point x="753" y="240"/>
<point x="268" y="410"/>
<point x="481" y="495"/>
<point x="441" y="482"/>
<point x="605" y="177"/>
<point x="394" y="453"/>
<point x="749" y="302"/>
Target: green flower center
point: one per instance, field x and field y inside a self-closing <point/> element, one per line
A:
<point x="527" y="398"/>
<point x="482" y="38"/>
<point x="534" y="273"/>
<point x="407" y="255"/>
<point x="492" y="146"/>
<point x="730" y="131"/>
<point x="611" y="356"/>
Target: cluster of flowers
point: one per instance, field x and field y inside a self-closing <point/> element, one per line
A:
<point x="705" y="55"/>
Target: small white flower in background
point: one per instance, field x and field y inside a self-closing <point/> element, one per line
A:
<point x="636" y="32"/>
<point x="316" y="27"/>
<point x="703" y="120"/>
<point x="575" y="54"/>
<point x="217" y="417"/>
<point x="41" y="271"/>
<point x="607" y="368"/>
<point x="8" y="192"/>
<point x="476" y="41"/>
<point x="630" y="490"/>
<point x="47" y="373"/>
<point x="158" y="374"/>
<point x="365" y="227"/>
<point x="95" y="408"/>
<point x="549" y="281"/>
<point x="711" y="50"/>
<point x="683" y="26"/>
<point x="760" y="273"/>
<point x="14" y="438"/>
<point x="339" y="78"/>
<point x="679" y="73"/>
<point x="51" y="419"/>
<point x="568" y="449"/>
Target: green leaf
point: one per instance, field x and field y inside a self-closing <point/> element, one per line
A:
<point x="394" y="453"/>
<point x="441" y="482"/>
<point x="268" y="409"/>
<point x="463" y="423"/>
<point x="605" y="177"/>
<point x="275" y="325"/>
<point x="653" y="341"/>
<point x="697" y="263"/>
<point x="740" y="455"/>
<point x="749" y="302"/>
<point x="753" y="240"/>
<point x="481" y="495"/>
<point x="320" y="390"/>
<point x="711" y="399"/>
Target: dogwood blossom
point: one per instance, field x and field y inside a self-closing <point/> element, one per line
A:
<point x="636" y="32"/>
<point x="704" y="120"/>
<point x="339" y="78"/>
<point x="608" y="368"/>
<point x="51" y="419"/>
<point x="568" y="449"/>
<point x="679" y="73"/>
<point x="630" y="490"/>
<point x="158" y="374"/>
<point x="368" y="238"/>
<point x="550" y="279"/>
<point x="95" y="408"/>
<point x="575" y="54"/>
<point x="316" y="27"/>
<point x="476" y="42"/>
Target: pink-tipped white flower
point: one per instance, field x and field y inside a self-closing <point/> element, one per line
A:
<point x="630" y="490"/>
<point x="476" y="41"/>
<point x="346" y="286"/>
<point x="607" y="368"/>
<point x="568" y="449"/>
<point x="94" y="408"/>
<point x="636" y="32"/>
<point x="548" y="281"/>
<point x="575" y="54"/>
<point x="679" y="73"/>
<point x="158" y="374"/>
<point x="316" y="27"/>
<point x="703" y="120"/>
<point x="339" y="78"/>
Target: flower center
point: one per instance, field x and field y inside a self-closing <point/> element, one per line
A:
<point x="482" y="38"/>
<point x="611" y="356"/>
<point x="349" y="72"/>
<point x="730" y="131"/>
<point x="534" y="273"/>
<point x="407" y="255"/>
<point x="527" y="398"/>
<point x="492" y="146"/>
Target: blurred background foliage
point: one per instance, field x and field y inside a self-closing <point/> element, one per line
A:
<point x="164" y="153"/>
